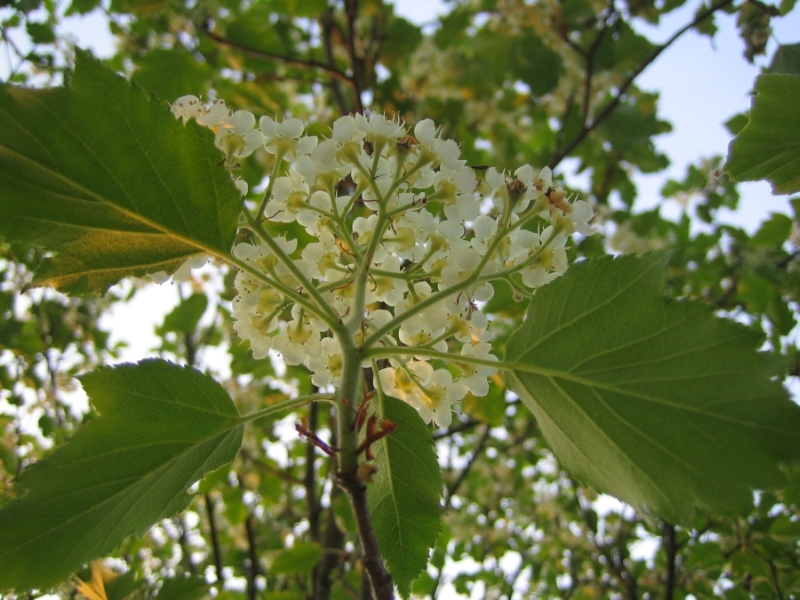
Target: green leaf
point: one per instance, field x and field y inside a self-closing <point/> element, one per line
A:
<point x="185" y="317"/>
<point x="41" y="33"/>
<point x="773" y="232"/>
<point x="769" y="146"/>
<point x="786" y="60"/>
<point x="81" y="7"/>
<point x="184" y="588"/>
<point x="162" y="428"/>
<point x="654" y="401"/>
<point x="404" y="494"/>
<point x="784" y="528"/>
<point x="300" y="558"/>
<point x="537" y="65"/>
<point x="104" y="175"/>
<point x="171" y="73"/>
<point x="121" y="587"/>
<point x="736" y="123"/>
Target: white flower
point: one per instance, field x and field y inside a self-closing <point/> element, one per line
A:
<point x="236" y="136"/>
<point x="345" y="130"/>
<point x="182" y="273"/>
<point x="436" y="150"/>
<point x="285" y="139"/>
<point x="436" y="401"/>
<point x="327" y="366"/>
<point x="187" y="107"/>
<point x="408" y="228"/>
<point x="454" y="188"/>
<point x="289" y="195"/>
<point x="579" y="217"/>
<point x="475" y="377"/>
<point x="241" y="185"/>
<point x="298" y="341"/>
<point x="214" y="114"/>
<point x="253" y="327"/>
<point x="379" y="130"/>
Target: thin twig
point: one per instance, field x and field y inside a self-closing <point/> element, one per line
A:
<point x="773" y="572"/>
<point x="268" y="469"/>
<point x="476" y="452"/>
<point x="454" y="429"/>
<point x="590" y="56"/>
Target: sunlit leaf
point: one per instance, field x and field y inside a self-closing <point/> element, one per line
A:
<point x="102" y="174"/>
<point x="655" y="401"/>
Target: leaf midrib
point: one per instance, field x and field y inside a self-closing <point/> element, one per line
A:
<point x="554" y="375"/>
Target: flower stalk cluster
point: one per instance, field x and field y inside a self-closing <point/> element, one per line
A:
<point x="401" y="241"/>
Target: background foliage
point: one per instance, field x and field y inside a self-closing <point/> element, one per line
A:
<point x="514" y="82"/>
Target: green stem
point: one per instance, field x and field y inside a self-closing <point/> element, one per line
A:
<point x="321" y="308"/>
<point x="290" y="293"/>
<point x="266" y="279"/>
<point x="442" y="294"/>
<point x="439" y="296"/>
<point x="268" y="192"/>
<point x="348" y="399"/>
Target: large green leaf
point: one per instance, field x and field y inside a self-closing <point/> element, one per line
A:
<point x="655" y="401"/>
<point x="162" y="428"/>
<point x="103" y="174"/>
<point x="404" y="496"/>
<point x="786" y="59"/>
<point x="769" y="145"/>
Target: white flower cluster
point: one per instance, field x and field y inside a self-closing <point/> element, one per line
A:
<point x="403" y="250"/>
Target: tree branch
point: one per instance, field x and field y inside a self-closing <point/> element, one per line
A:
<point x="357" y="80"/>
<point x="305" y="63"/>
<point x="333" y="538"/>
<point x="252" y="557"/>
<point x="215" y="549"/>
<point x="328" y="27"/>
<point x="183" y="542"/>
<point x="382" y="586"/>
<point x="589" y="56"/>
<point x="609" y="108"/>
<point x="479" y="447"/>
<point x="670" y="549"/>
